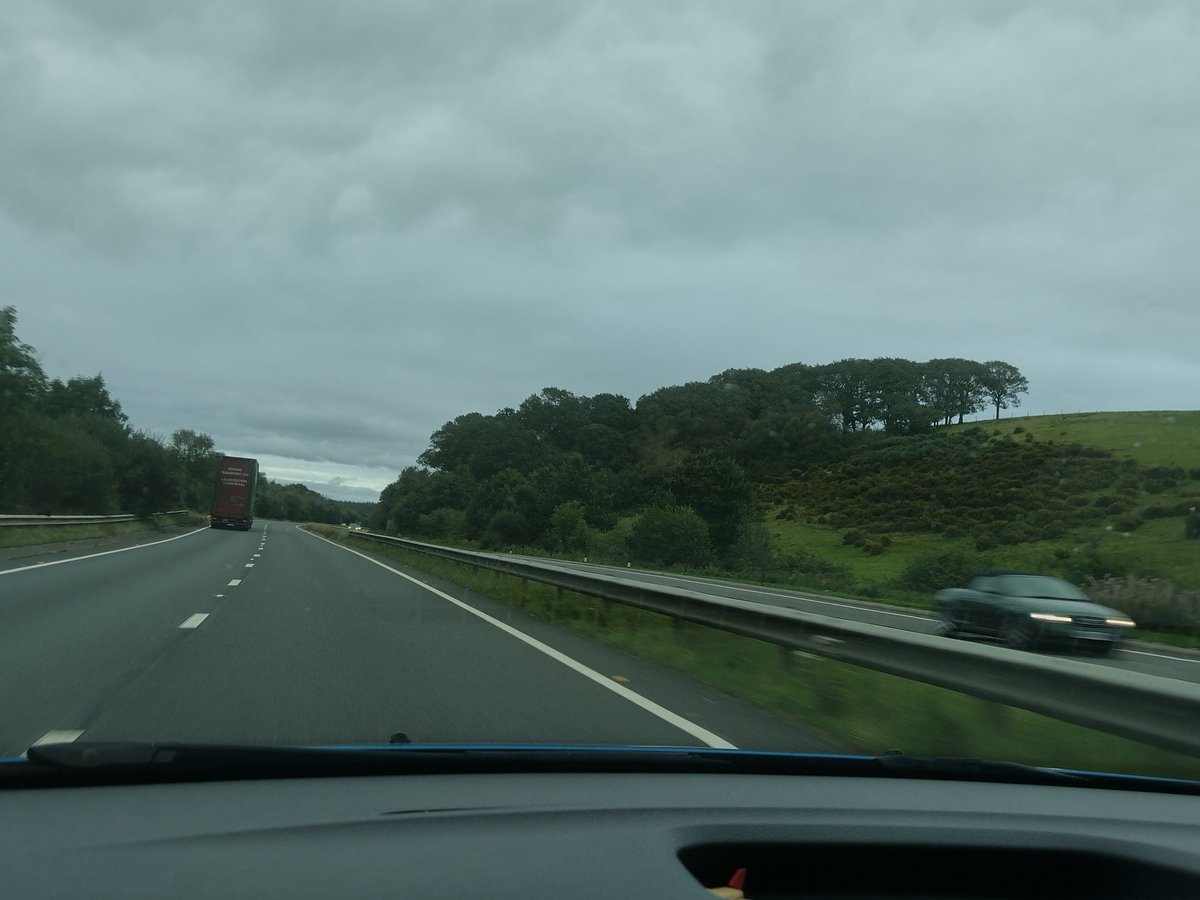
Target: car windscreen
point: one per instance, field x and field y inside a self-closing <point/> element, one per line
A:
<point x="1040" y="586"/>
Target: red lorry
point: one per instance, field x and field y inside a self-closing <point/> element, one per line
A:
<point x="233" y="493"/>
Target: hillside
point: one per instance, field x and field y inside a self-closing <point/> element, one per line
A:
<point x="1082" y="496"/>
<point x="846" y="476"/>
<point x="1164" y="438"/>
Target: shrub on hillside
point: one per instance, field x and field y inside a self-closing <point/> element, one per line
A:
<point x="668" y="534"/>
<point x="1158" y="511"/>
<point x="935" y="571"/>
<point x="1090" y="562"/>
<point x="1174" y="473"/>
<point x="992" y="489"/>
<point x="804" y="562"/>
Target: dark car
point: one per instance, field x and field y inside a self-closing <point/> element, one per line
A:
<point x="1028" y="611"/>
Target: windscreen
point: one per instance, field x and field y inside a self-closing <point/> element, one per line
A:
<point x="601" y="374"/>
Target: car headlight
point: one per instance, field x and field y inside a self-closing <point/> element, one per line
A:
<point x="1120" y="622"/>
<point x="1049" y="617"/>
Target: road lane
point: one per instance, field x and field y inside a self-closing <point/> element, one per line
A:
<point x="71" y="635"/>
<point x="314" y="645"/>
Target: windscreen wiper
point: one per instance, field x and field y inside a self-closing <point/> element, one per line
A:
<point x="84" y="762"/>
<point x="973" y="769"/>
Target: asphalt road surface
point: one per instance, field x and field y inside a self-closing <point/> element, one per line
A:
<point x="278" y="636"/>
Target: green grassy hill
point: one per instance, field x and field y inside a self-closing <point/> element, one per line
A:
<point x="1164" y="438"/>
<point x="1033" y="493"/>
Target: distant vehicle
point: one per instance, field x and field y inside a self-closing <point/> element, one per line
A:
<point x="1029" y="611"/>
<point x="233" y="493"/>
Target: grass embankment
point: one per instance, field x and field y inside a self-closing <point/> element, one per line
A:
<point x="36" y="535"/>
<point x="1020" y="494"/>
<point x="1163" y="438"/>
<point x="865" y="711"/>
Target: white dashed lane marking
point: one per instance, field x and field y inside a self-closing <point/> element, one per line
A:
<point x="234" y="583"/>
<point x="249" y="565"/>
<point x="194" y="620"/>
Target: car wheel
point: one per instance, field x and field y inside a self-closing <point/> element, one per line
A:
<point x="947" y="628"/>
<point x="1016" y="635"/>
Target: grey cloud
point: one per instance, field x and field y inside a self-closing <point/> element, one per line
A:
<point x="323" y="231"/>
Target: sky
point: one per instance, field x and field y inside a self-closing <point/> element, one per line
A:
<point x="317" y="232"/>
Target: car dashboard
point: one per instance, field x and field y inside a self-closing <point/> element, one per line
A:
<point x="601" y="835"/>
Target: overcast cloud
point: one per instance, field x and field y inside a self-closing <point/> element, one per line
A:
<point x="319" y="231"/>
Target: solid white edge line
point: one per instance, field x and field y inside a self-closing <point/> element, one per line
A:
<point x="696" y="731"/>
<point x="1159" y="655"/>
<point x="59" y="562"/>
<point x="194" y="620"/>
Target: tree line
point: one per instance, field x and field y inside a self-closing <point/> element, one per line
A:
<point x="676" y="476"/>
<point x="67" y="448"/>
<point x="298" y="503"/>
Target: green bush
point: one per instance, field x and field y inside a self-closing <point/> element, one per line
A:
<point x="667" y="535"/>
<point x="1090" y="562"/>
<point x="933" y="572"/>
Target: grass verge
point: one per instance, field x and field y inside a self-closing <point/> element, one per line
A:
<point x="35" y="535"/>
<point x="865" y="711"/>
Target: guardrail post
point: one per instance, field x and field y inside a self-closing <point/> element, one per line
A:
<point x="787" y="662"/>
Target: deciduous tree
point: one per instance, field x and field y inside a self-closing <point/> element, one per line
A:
<point x="1003" y="384"/>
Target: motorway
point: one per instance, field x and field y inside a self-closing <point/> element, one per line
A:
<point x="1149" y="659"/>
<point x="279" y="636"/>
